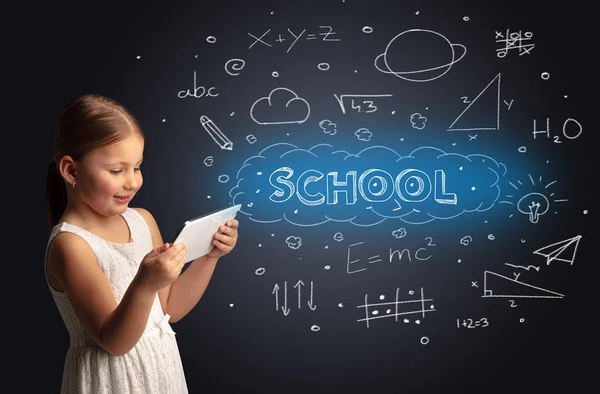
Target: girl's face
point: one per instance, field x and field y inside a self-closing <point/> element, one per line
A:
<point x="108" y="177"/>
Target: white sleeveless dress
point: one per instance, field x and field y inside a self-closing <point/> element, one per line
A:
<point x="153" y="365"/>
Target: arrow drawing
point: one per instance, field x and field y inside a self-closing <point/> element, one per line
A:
<point x="276" y="292"/>
<point x="310" y="302"/>
<point x="299" y="286"/>
<point x="285" y="309"/>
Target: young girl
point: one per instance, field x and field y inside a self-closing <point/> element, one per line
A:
<point x="115" y="283"/>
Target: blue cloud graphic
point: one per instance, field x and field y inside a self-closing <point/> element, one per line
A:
<point x="308" y="187"/>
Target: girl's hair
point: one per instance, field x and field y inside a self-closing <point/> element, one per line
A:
<point x="86" y="123"/>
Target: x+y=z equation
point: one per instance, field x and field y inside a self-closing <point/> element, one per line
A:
<point x="295" y="37"/>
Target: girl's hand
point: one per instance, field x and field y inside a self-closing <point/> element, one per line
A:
<point x="225" y="239"/>
<point x="161" y="266"/>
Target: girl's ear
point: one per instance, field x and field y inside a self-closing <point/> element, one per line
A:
<point x="67" y="169"/>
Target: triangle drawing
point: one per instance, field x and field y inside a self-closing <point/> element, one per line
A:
<point x="496" y="285"/>
<point x="486" y="105"/>
<point x="564" y="250"/>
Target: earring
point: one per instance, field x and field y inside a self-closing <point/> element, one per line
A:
<point x="73" y="185"/>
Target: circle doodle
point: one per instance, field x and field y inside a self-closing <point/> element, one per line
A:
<point x="233" y="66"/>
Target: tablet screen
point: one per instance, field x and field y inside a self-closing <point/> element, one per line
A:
<point x="197" y="233"/>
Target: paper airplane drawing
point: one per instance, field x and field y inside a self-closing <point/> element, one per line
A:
<point x="496" y="285"/>
<point x="564" y="250"/>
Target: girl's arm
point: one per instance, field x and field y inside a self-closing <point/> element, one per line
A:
<point x="115" y="327"/>
<point x="180" y="297"/>
<point x="187" y="290"/>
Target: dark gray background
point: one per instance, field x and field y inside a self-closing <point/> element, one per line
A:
<point x="62" y="50"/>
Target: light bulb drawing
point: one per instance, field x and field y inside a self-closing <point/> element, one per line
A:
<point x="534" y="203"/>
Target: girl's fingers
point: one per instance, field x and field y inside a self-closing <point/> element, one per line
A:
<point x="232" y="233"/>
<point x="181" y="262"/>
<point x="159" y="249"/>
<point x="179" y="249"/>
<point x="220" y="237"/>
<point x="233" y="223"/>
<point x="230" y="241"/>
<point x="222" y="246"/>
<point x="228" y="230"/>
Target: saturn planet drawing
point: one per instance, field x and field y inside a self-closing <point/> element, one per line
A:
<point x="419" y="55"/>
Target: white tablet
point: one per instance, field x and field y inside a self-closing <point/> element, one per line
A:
<point x="197" y="233"/>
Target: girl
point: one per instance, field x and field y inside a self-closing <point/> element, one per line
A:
<point x="115" y="283"/>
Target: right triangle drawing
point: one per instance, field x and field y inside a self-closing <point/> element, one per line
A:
<point x="496" y="285"/>
<point x="483" y="112"/>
